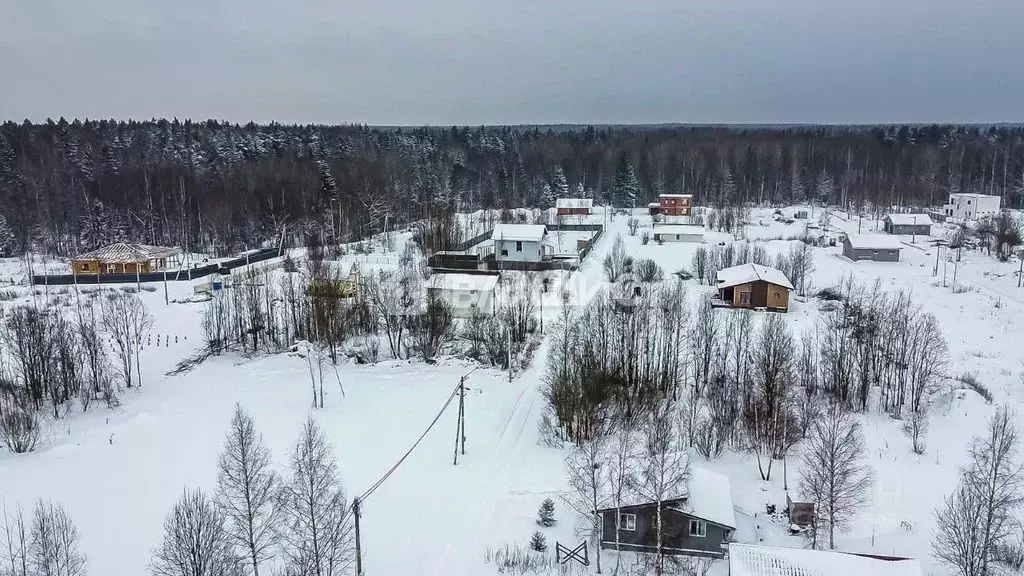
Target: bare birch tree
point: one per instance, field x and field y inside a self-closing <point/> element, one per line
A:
<point x="318" y="537"/>
<point x="196" y="540"/>
<point x="247" y="487"/>
<point x="54" y="539"/>
<point x="664" y="470"/>
<point x="978" y="518"/>
<point x="583" y="467"/>
<point x="127" y="319"/>
<point x="835" y="475"/>
<point x="14" y="546"/>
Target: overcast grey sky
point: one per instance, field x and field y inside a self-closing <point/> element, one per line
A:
<point x="514" y="61"/>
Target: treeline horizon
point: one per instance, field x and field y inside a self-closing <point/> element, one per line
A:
<point x="218" y="187"/>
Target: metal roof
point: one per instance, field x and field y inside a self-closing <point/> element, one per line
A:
<point x="123" y="252"/>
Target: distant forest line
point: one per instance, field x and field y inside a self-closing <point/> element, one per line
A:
<point x="217" y="187"/>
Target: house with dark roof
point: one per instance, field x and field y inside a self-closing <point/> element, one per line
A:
<point x="698" y="522"/>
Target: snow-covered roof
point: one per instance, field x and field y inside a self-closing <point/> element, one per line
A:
<point x="707" y="494"/>
<point x="753" y="560"/>
<point x="587" y="203"/>
<point x="874" y="242"/>
<point x="678" y="229"/>
<point x="709" y="497"/>
<point x="519" y="232"/>
<point x="909" y="219"/>
<point x="122" y="252"/>
<point x="463" y="282"/>
<point x="675" y="195"/>
<point x="971" y="195"/>
<point x="746" y="273"/>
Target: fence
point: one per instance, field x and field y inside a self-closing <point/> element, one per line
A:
<point x="187" y="274"/>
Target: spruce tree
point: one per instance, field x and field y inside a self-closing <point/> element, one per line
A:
<point x="538" y="542"/>
<point x="546" y="514"/>
<point x="626" y="186"/>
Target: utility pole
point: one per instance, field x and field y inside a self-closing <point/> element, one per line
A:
<point x="359" y="551"/>
<point x="1020" y="273"/>
<point x="167" y="300"/>
<point x="460" y="426"/>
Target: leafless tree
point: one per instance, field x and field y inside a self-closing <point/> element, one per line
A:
<point x="54" y="539"/>
<point x="95" y="362"/>
<point x="519" y="306"/>
<point x="385" y="294"/>
<point x="127" y="319"/>
<point x="15" y="544"/>
<point x="664" y="470"/>
<point x="318" y="533"/>
<point x="621" y="472"/>
<point x="587" y="482"/>
<point x="29" y="335"/>
<point x="20" y="424"/>
<point x="247" y="489"/>
<point x="632" y="223"/>
<point x="700" y="262"/>
<point x="806" y="370"/>
<point x="835" y="475"/>
<point x="431" y="330"/>
<point x="801" y="260"/>
<point x="915" y="426"/>
<point x="616" y="262"/>
<point x="956" y="543"/>
<point x="196" y="540"/>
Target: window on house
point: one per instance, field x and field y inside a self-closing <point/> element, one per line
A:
<point x="744" y="298"/>
<point x="698" y="528"/>
<point x="778" y="295"/>
<point x="111" y="268"/>
<point x="519" y="246"/>
<point x="968" y="202"/>
<point x="504" y="252"/>
<point x="85" y="266"/>
<point x="627" y="522"/>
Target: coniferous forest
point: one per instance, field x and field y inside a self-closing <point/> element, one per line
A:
<point x="218" y="187"/>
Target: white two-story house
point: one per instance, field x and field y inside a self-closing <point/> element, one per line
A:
<point x="965" y="206"/>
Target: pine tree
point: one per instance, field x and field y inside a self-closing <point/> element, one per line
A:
<point x="626" y="186"/>
<point x="547" y="196"/>
<point x="538" y="542"/>
<point x="546" y="514"/>
<point x="6" y="237"/>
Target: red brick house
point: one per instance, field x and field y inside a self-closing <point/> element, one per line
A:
<point x="676" y="204"/>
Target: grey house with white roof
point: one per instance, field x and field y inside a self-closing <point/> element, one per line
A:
<point x="521" y="243"/>
<point x="876" y="247"/>
<point x="909" y="224"/>
<point x="699" y="522"/>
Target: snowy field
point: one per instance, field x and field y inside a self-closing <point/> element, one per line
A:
<point x="119" y="471"/>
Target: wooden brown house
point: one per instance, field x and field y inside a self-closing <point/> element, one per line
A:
<point x="675" y="204"/>
<point x="754" y="286"/>
<point x="122" y="258"/>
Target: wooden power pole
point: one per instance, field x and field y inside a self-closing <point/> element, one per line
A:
<point x="460" y="425"/>
<point x="359" y="551"/>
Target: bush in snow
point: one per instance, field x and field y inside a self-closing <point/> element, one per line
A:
<point x="538" y="543"/>
<point x="632" y="224"/>
<point x="518" y="560"/>
<point x="648" y="271"/>
<point x="19" y="426"/>
<point x="971" y="381"/>
<point x="546" y="514"/>
<point x="645" y="237"/>
<point x="915" y="426"/>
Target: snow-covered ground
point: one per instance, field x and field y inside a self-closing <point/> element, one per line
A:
<point x="119" y="471"/>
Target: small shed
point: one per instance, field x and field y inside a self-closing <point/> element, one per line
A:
<point x="574" y="206"/>
<point x="678" y="233"/>
<point x="754" y="286"/>
<point x="875" y="247"/>
<point x="755" y="560"/>
<point x="123" y="258"/>
<point x="699" y="522"/>
<point x="800" y="512"/>
<point x="908" y="224"/>
<point x="465" y="294"/>
<point x="654" y="208"/>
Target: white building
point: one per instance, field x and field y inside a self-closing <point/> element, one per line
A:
<point x="678" y="233"/>
<point x="971" y="206"/>
<point x="465" y="293"/>
<point x="521" y="243"/>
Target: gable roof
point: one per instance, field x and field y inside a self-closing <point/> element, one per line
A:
<point x="463" y="282"/>
<point x="753" y="560"/>
<point x="746" y="273"/>
<point x="519" y="232"/>
<point x="874" y="242"/>
<point x="675" y="195"/>
<point x="909" y="219"/>
<point x="587" y="203"/>
<point x="686" y="229"/>
<point x="123" y="252"/>
<point x="707" y="496"/>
